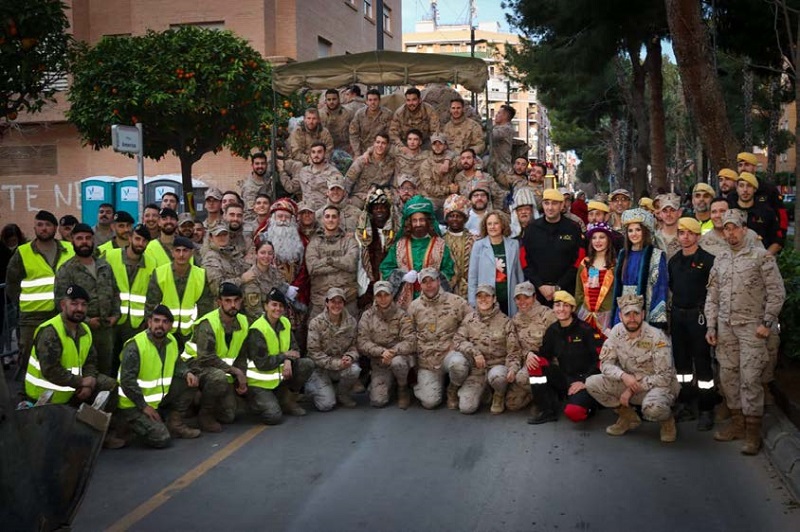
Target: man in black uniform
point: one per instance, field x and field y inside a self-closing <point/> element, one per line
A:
<point x="576" y="346"/>
<point x="688" y="277"/>
<point x="767" y="193"/>
<point x="553" y="246"/>
<point x="760" y="217"/>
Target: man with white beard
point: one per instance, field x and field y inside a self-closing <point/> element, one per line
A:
<point x="289" y="244"/>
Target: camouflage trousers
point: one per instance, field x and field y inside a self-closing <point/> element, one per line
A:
<point x="320" y="385"/>
<point x="518" y="393"/>
<point x="155" y="433"/>
<point x="383" y="379"/>
<point x="217" y="393"/>
<point x="656" y="403"/>
<point x="267" y="403"/>
<point x="430" y="383"/>
<point x="478" y="384"/>
<point x="773" y="347"/>
<point x="103" y="343"/>
<point x="742" y="357"/>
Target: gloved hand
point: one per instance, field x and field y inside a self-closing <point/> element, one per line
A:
<point x="410" y="277"/>
<point x="291" y="293"/>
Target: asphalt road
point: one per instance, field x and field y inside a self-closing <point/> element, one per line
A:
<point x="386" y="470"/>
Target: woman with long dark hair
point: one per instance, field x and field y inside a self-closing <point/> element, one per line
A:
<point x="594" y="287"/>
<point x="642" y="268"/>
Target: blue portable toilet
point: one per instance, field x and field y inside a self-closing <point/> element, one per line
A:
<point x="94" y="192"/>
<point x="126" y="197"/>
<point x="156" y="186"/>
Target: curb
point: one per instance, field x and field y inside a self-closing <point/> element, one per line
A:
<point x="782" y="447"/>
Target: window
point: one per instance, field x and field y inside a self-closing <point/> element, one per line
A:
<point x="324" y="47"/>
<point x="219" y="25"/>
<point x="351" y="3"/>
<point x="387" y="19"/>
<point x="368" y="8"/>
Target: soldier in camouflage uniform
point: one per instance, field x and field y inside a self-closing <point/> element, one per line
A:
<point x="409" y="158"/>
<point x="142" y="406"/>
<point x="270" y="401"/>
<point x="336" y="119"/>
<point x="311" y="181"/>
<point x="222" y="262"/>
<point x="437" y="172"/>
<point x="529" y="325"/>
<point x="260" y="279"/>
<point x="463" y="132"/>
<point x="436" y="316"/>
<point x="367" y="122"/>
<point x="97" y="278"/>
<point x="745" y="297"/>
<point x="459" y="241"/>
<point x="306" y="134"/>
<point x="386" y="336"/>
<point x="636" y="365"/>
<point x="503" y="134"/>
<point x="332" y="347"/>
<point x="374" y="168"/>
<point x="516" y="177"/>
<point x="414" y="114"/>
<point x="213" y="363"/>
<point x="486" y="339"/>
<point x="256" y="183"/>
<point x="25" y="274"/>
<point x="337" y="197"/>
<point x="667" y="233"/>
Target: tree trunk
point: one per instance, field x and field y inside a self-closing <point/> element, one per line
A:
<point x="700" y="84"/>
<point x="186" y="179"/>
<point x="774" y="123"/>
<point x="637" y="106"/>
<point x="748" y="107"/>
<point x="658" y="133"/>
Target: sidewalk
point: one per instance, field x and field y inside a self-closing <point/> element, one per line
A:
<point x="782" y="447"/>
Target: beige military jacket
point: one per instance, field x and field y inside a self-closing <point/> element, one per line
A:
<point x="424" y="118"/>
<point x="715" y="243"/>
<point x="223" y="265"/>
<point x="364" y="127"/>
<point x="364" y="175"/>
<point x="379" y="330"/>
<point x="648" y="357"/>
<point x="464" y="133"/>
<point x="301" y="139"/>
<point x="490" y="335"/>
<point x="529" y="328"/>
<point x="311" y="183"/>
<point x="332" y="261"/>
<point x="433" y="183"/>
<point x="328" y="342"/>
<point x="436" y="321"/>
<point x="337" y="122"/>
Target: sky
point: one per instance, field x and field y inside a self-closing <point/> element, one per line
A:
<point x="452" y="12"/>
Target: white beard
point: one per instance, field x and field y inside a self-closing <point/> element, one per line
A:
<point x="286" y="240"/>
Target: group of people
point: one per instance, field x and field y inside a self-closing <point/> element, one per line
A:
<point x="426" y="271"/>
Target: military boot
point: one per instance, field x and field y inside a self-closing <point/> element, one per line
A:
<point x="206" y="419"/>
<point x="498" y="403"/>
<point x="345" y="400"/>
<point x="628" y="420"/>
<point x="752" y="439"/>
<point x="452" y="396"/>
<point x="722" y="413"/>
<point x="178" y="429"/>
<point x="705" y="421"/>
<point x="288" y="401"/>
<point x="734" y="430"/>
<point x="403" y="397"/>
<point x="669" y="432"/>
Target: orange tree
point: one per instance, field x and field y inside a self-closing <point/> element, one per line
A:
<point x="33" y="55"/>
<point x="194" y="90"/>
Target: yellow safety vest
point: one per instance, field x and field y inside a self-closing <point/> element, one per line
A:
<point x="276" y="344"/>
<point x="36" y="290"/>
<point x="184" y="310"/>
<point x="103" y="249"/>
<point x="156" y="251"/>
<point x="154" y="378"/>
<point x="72" y="358"/>
<point x="227" y="353"/>
<point x="131" y="297"/>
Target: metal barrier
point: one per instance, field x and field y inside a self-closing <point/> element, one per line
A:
<point x="9" y="335"/>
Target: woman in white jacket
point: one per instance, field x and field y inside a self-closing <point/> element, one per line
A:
<point x="495" y="261"/>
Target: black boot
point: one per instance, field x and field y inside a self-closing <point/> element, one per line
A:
<point x="545" y="398"/>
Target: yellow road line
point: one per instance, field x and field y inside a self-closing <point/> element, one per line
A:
<point x="154" y="502"/>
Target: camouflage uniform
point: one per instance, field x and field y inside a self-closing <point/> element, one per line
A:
<point x="433" y="184"/>
<point x="745" y="288"/>
<point x="364" y="175"/>
<point x="332" y="261"/>
<point x="254" y="293"/>
<point x="511" y="181"/>
<point x="405" y="164"/>
<point x="466" y="184"/>
<point x="464" y="133"/>
<point x="648" y="357"/>
<point x="102" y="234"/>
<point x="460" y="246"/>
<point x="327" y="344"/>
<point x="668" y="244"/>
<point x="104" y="303"/>
<point x="379" y="330"/>
<point x="311" y="183"/>
<point x="223" y="265"/>
<point x="348" y="215"/>
<point x="364" y="128"/>
<point x="424" y="118"/>
<point x="715" y="243"/>
<point x="180" y="396"/>
<point x="251" y="187"/>
<point x="490" y="335"/>
<point x="528" y="328"/>
<point x="502" y="148"/>
<point x="436" y="321"/>
<point x="262" y="401"/>
<point x="337" y="122"/>
<point x="301" y="139"/>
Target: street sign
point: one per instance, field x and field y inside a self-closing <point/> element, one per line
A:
<point x="126" y="139"/>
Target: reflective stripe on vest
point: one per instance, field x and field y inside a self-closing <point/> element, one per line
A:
<point x="156" y="252"/>
<point x="36" y="290"/>
<point x="132" y="298"/>
<point x="227" y="353"/>
<point x="184" y="310"/>
<point x="72" y="359"/>
<point x="275" y="345"/>
<point x="154" y="378"/>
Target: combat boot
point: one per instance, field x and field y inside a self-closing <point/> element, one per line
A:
<point x="669" y="432"/>
<point x="498" y="403"/>
<point x="288" y="402"/>
<point x="722" y="413"/>
<point x="403" y="397"/>
<point x="705" y="421"/>
<point x="178" y="429"/>
<point x="345" y="400"/>
<point x="734" y="430"/>
<point x="628" y="420"/>
<point x="752" y="439"/>
<point x="206" y="419"/>
<point x="452" y="396"/>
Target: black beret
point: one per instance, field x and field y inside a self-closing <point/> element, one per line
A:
<point x="123" y="217"/>
<point x="166" y="212"/>
<point x="163" y="310"/>
<point x="142" y="231"/>
<point x="82" y="228"/>
<point x="229" y="290"/>
<point x="182" y="242"/>
<point x="47" y="216"/>
<point x="76" y="292"/>
<point x="276" y="295"/>
<point x="68" y="219"/>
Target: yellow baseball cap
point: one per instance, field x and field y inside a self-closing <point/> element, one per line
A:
<point x="552" y="195"/>
<point x="689" y="224"/>
<point x="595" y="205"/>
<point x="750" y="178"/>
<point x="704" y="188"/>
<point x="747" y="157"/>
<point x="727" y="173"/>
<point x="564" y="297"/>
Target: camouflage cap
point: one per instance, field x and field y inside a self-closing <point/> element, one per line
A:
<point x="304" y="206"/>
<point x="336" y="181"/>
<point x="439" y="137"/>
<point x="219" y="229"/>
<point x="621" y="192"/>
<point x="669" y="200"/>
<point x="382" y="286"/>
<point x="214" y="192"/>
<point x="424" y="273"/>
<point x="485" y="289"/>
<point x="185" y="217"/>
<point x="733" y="216"/>
<point x="525" y="289"/>
<point x="334" y="291"/>
<point x="630" y="302"/>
